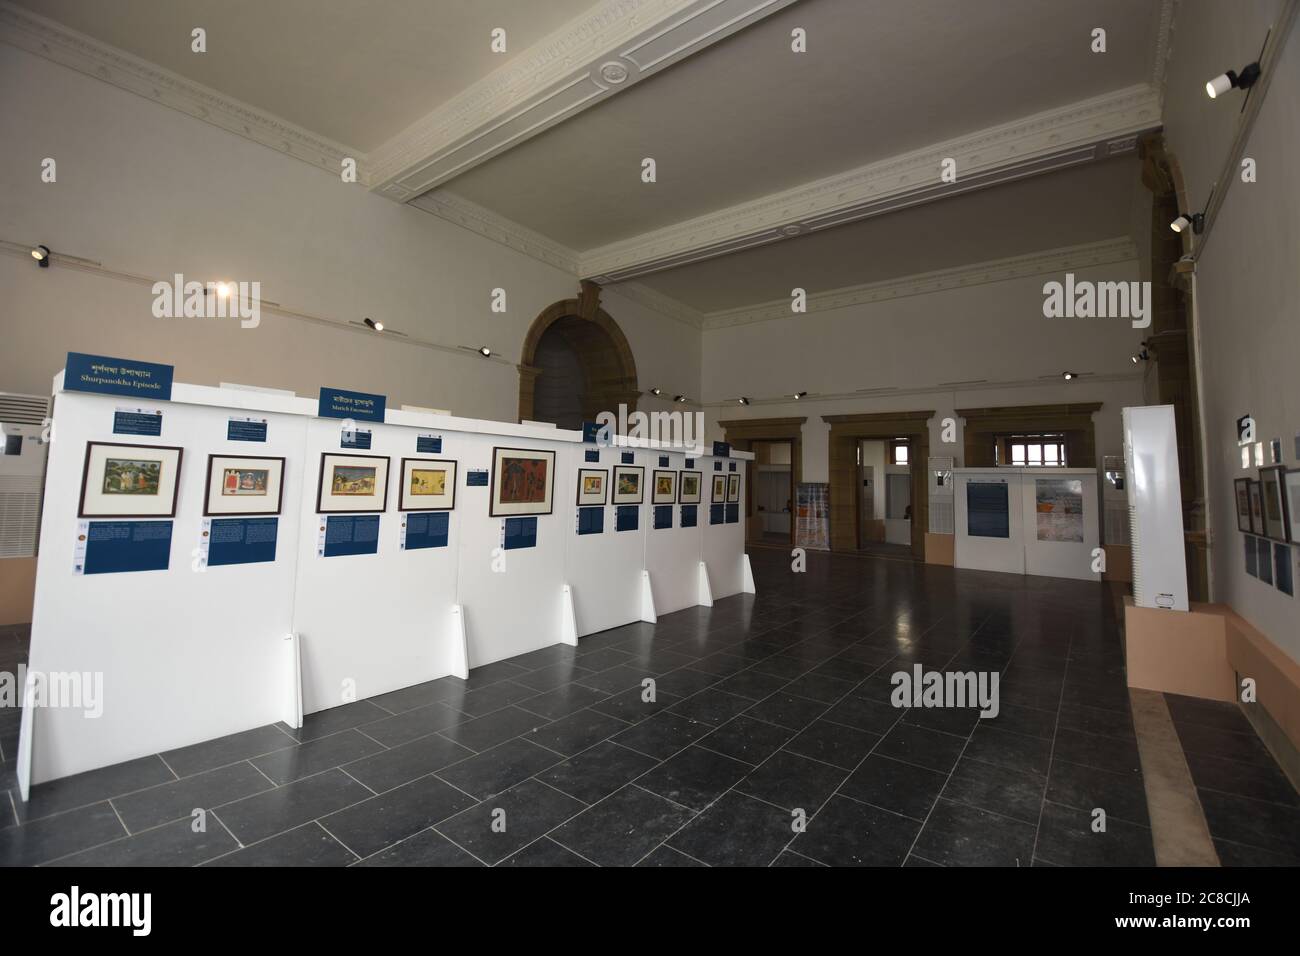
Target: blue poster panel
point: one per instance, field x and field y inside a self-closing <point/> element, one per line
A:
<point x="717" y="513"/>
<point x="721" y="449"/>
<point x="663" y="516"/>
<point x="627" y="518"/>
<point x="731" y="466"/>
<point x="988" y="514"/>
<point x="690" y="463"/>
<point x="246" y="429"/>
<point x="476" y="479"/>
<point x="627" y="458"/>
<point x="1282" y="562"/>
<point x="117" y="376"/>
<point x="242" y="540"/>
<point x="428" y="445"/>
<point x="689" y="515"/>
<point x="425" y="529"/>
<point x="116" y="546"/>
<point x="1265" y="550"/>
<point x="592" y="455"/>
<point x="350" y="534"/>
<point x="591" y="520"/>
<point x="733" y="512"/>
<point x="355" y="438"/>
<point x="520" y="532"/>
<point x="717" y="466"/>
<point x="1251" y="557"/>
<point x="359" y="406"/>
<point x="130" y="422"/>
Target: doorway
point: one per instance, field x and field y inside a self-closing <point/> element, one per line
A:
<point x="884" y="505"/>
<point x="769" y="505"/>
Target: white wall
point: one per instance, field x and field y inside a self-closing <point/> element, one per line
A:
<point x="1247" y="281"/>
<point x="995" y="331"/>
<point x="149" y="191"/>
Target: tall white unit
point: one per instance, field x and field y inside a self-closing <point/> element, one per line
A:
<point x="1155" y="508"/>
<point x="22" y="471"/>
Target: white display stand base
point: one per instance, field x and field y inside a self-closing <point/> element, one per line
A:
<point x="647" y="600"/>
<point x="568" y="619"/>
<point x="749" y="576"/>
<point x="293" y="680"/>
<point x="706" y="591"/>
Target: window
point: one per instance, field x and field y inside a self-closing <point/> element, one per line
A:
<point x="1032" y="451"/>
<point x="898" y="451"/>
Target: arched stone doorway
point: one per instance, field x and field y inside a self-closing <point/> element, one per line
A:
<point x="576" y="363"/>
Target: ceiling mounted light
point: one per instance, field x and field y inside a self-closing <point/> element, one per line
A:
<point x="1069" y="376"/>
<point x="1196" y="220"/>
<point x="799" y="395"/>
<point x="679" y="399"/>
<point x="656" y="391"/>
<point x="42" y="256"/>
<point x="1141" y="356"/>
<point x="484" y="351"/>
<point x="372" y="324"/>
<point x="743" y="400"/>
<point x="1226" y="81"/>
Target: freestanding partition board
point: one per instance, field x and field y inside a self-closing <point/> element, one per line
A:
<point x="988" y="519"/>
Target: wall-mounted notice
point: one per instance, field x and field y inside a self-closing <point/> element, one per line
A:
<point x="425" y="529"/>
<point x="690" y="515"/>
<point x="731" y="466"/>
<point x="428" y="444"/>
<point x="348" y="534"/>
<point x="226" y="541"/>
<point x="690" y="463"/>
<point x="812" y="516"/>
<point x="721" y="449"/>
<point x="717" y="466"/>
<point x="246" y="429"/>
<point x="361" y="406"/>
<point x="627" y="518"/>
<point x="592" y="455"/>
<point x="733" y="513"/>
<point x="591" y="432"/>
<point x="476" y="478"/>
<point x="354" y="438"/>
<point x="663" y="461"/>
<point x="1059" y="507"/>
<point x="519" y="532"/>
<point x="627" y="458"/>
<point x="1282" y="569"/>
<point x="117" y="376"/>
<point x="663" y="517"/>
<point x="110" y="547"/>
<point x="988" y="515"/>
<point x="591" y="520"/>
<point x="137" y="421"/>
<point x="717" y="514"/>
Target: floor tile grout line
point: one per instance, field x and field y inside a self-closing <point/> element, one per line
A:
<point x="1051" y="753"/>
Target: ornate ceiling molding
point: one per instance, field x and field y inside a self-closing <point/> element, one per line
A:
<point x="1081" y="132"/>
<point x="485" y="222"/>
<point x="658" y="302"/>
<point x="53" y="41"/>
<point x="1083" y="256"/>
<point x="590" y="58"/>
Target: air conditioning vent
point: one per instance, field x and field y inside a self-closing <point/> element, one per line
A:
<point x="23" y="409"/>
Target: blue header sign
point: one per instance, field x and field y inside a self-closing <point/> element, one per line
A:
<point x="115" y="376"/>
<point x="721" y="449"/>
<point x="340" y="403"/>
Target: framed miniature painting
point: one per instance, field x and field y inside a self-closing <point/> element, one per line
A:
<point x="593" y="486"/>
<point x="523" y="480"/>
<point x="628" y="484"/>
<point x="665" y="488"/>
<point x="688" y="491"/>
<point x="129" y="481"/>
<point x="428" y="484"/>
<point x="352" y="484"/>
<point x="243" y="486"/>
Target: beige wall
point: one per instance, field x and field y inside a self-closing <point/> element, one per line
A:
<point x="17" y="587"/>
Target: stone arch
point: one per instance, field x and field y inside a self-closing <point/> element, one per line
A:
<point x="603" y="356"/>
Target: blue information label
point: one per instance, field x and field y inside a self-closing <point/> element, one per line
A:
<point x="351" y="534"/>
<point x="428" y="445"/>
<point x="476" y="479"/>
<point x="717" y="466"/>
<point x="116" y="546"/>
<point x="592" y="455"/>
<point x="242" y="540"/>
<point x="663" y="517"/>
<point x="663" y="461"/>
<point x="733" y="513"/>
<point x="627" y="518"/>
<point x="245" y="430"/>
<point x="355" y="438"/>
<point x="591" y="520"/>
<point x="731" y="466"/>
<point x="690" y="462"/>
<point x="360" y="406"/>
<point x="717" y="514"/>
<point x="137" y="423"/>
<point x="117" y="376"/>
<point x="689" y="515"/>
<point x="520" y="532"/>
<point x="721" y="449"/>
<point x="627" y="458"/>
<point x="426" y="530"/>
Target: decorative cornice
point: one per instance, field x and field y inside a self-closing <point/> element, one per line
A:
<point x="485" y="222"/>
<point x="658" y="302"/>
<point x="1083" y="256"/>
<point x="1160" y="69"/>
<point x="47" y="38"/>
<point x="1081" y="132"/>
<point x="590" y="58"/>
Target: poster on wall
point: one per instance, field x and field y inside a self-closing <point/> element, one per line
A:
<point x="244" y="485"/>
<point x="1241" y="494"/>
<point x="351" y="484"/>
<point x="812" y="516"/>
<point x="129" y="481"/>
<point x="523" y="480"/>
<point x="428" y="484"/>
<point x="592" y="486"/>
<point x="1272" y="490"/>
<point x="628" y="481"/>
<point x="1058" y="503"/>
<point x="988" y="515"/>
<point x="689" y="491"/>
<point x="665" y="488"/>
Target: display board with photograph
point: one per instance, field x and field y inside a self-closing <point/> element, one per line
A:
<point x="664" y="491"/>
<point x="129" y="481"/>
<point x="628" y="484"/>
<point x="523" y="482"/>
<point x="352" y="484"/>
<point x="428" y="484"/>
<point x="689" y="490"/>
<point x="1058" y="505"/>
<point x="593" y="486"/>
<point x="733" y="489"/>
<point x="719" y="489"/>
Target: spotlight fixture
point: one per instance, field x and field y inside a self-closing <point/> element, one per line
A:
<point x="743" y="400"/>
<point x="799" y="395"/>
<point x="1226" y="81"/>
<point x="1069" y="376"/>
<point x="656" y="391"/>
<point x="1196" y="220"/>
<point x="484" y="351"/>
<point x="42" y="256"/>
<point x="679" y="399"/>
<point x="1141" y="356"/>
<point x="372" y="324"/>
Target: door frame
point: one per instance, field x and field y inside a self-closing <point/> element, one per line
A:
<point x="741" y="433"/>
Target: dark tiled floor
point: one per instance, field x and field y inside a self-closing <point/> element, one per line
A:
<point x="771" y="740"/>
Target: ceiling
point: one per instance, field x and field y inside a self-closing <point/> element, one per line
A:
<point x="358" y="73"/>
<point x="1086" y="204"/>
<point x="747" y="117"/>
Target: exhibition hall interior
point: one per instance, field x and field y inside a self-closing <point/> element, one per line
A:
<point x="650" y="433"/>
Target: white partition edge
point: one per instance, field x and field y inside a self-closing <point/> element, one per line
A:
<point x="568" y="618"/>
<point x="458" y="666"/>
<point x="706" y="590"/>
<point x="25" y="731"/>
<point x="293" y="704"/>
<point x="647" y="600"/>
<point x="748" y="587"/>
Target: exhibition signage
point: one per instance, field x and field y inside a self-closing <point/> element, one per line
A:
<point x="476" y="479"/>
<point x="721" y="449"/>
<point x="689" y="515"/>
<point x="240" y="540"/>
<point x="663" y="517"/>
<point x="340" y="403"/>
<point x="591" y="520"/>
<point x="733" y="513"/>
<point x="137" y="421"/>
<point x="627" y="518"/>
<point x="717" y="513"/>
<point x="246" y="429"/>
<point x="115" y="376"/>
<point x="428" y="444"/>
<point x="425" y="530"/>
<point x="349" y="534"/>
<point x="108" y="547"/>
<point x="519" y="533"/>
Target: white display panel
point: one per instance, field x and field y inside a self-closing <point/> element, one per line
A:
<point x="672" y="555"/>
<point x="724" y="544"/>
<point x="1060" y="522"/>
<point x="989" y="533"/>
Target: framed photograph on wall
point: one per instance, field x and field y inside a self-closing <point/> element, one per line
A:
<point x="523" y="482"/>
<point x="1272" y="489"/>
<point x="243" y="486"/>
<point x="129" y="481"/>
<point x="719" y="489"/>
<point x="665" y="488"/>
<point x="428" y="484"/>
<point x="1256" y="508"/>
<point x="628" y="484"/>
<point x="688" y="492"/>
<point x="352" y="484"/>
<point x="733" y="488"/>
<point x="1291" y="487"/>
<point x="593" y="486"/>
<point x="1241" y="494"/>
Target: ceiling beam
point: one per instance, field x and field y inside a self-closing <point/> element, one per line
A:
<point x="1083" y="132"/>
<point x="609" y="48"/>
